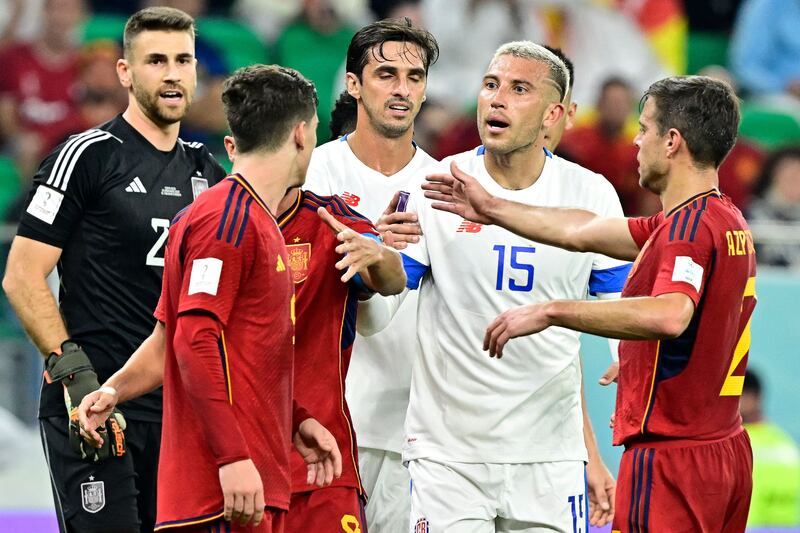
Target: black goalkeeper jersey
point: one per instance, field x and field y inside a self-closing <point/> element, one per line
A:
<point x="106" y="197"/>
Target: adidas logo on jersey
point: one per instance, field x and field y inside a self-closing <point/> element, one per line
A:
<point x="350" y="199"/>
<point x="469" y="227"/>
<point x="136" y="186"/>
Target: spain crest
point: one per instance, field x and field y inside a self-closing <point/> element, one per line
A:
<point x="93" y="496"/>
<point x="299" y="257"/>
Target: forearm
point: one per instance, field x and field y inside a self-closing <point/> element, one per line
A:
<point x="197" y="352"/>
<point x="386" y="276"/>
<point x="375" y="314"/>
<point x="626" y="318"/>
<point x="36" y="308"/>
<point x="589" y="438"/>
<point x="576" y="230"/>
<point x="144" y="371"/>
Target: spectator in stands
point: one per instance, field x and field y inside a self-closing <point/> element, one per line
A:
<point x="765" y="52"/>
<point x="776" y="463"/>
<point x="604" y="146"/>
<point x="778" y="200"/>
<point x="99" y="93"/>
<point x="397" y="9"/>
<point x="319" y="28"/>
<point x="37" y="99"/>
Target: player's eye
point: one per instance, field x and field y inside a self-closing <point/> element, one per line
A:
<point x="490" y="85"/>
<point x="520" y="89"/>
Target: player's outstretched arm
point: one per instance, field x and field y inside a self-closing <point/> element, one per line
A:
<point x="380" y="266"/>
<point x="142" y="373"/>
<point x="25" y="284"/>
<point x="317" y="446"/>
<point x="572" y="229"/>
<point x="660" y="317"/>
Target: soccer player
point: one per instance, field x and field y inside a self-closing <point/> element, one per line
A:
<point x="499" y="447"/>
<point x="326" y="314"/>
<point x="100" y="208"/>
<point x="387" y="67"/>
<point x="226" y="319"/>
<point x="684" y="315"/>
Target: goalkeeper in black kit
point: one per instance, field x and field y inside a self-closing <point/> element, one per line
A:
<point x="99" y="210"/>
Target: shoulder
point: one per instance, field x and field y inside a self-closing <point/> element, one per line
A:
<point x="89" y="152"/>
<point x="582" y="175"/>
<point x="338" y="208"/>
<point x="331" y="150"/>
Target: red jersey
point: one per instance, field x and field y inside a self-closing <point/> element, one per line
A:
<point x="43" y="93"/>
<point x="225" y="256"/>
<point x="326" y="324"/>
<point x="689" y="387"/>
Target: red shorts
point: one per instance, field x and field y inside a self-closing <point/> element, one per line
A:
<point x="700" y="488"/>
<point x="274" y="521"/>
<point x="328" y="510"/>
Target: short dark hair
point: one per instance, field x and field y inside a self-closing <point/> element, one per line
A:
<point x="388" y="30"/>
<point x="559" y="53"/>
<point x="704" y="110"/>
<point x="264" y="102"/>
<point x="344" y="115"/>
<point x="752" y="383"/>
<point x="156" y="19"/>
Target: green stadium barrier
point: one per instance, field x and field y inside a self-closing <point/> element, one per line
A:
<point x="9" y="183"/>
<point x="706" y="48"/>
<point x="769" y="127"/>
<point x="103" y="27"/>
<point x="237" y="43"/>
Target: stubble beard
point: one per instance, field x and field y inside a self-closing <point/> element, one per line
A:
<point x="151" y="107"/>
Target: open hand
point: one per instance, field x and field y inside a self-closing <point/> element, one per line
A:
<point x="317" y="446"/>
<point x="243" y="491"/>
<point x="524" y="320"/>
<point x="459" y="193"/>
<point x="360" y="252"/>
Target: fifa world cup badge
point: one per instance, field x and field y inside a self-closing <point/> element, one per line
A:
<point x="199" y="185"/>
<point x="93" y="495"/>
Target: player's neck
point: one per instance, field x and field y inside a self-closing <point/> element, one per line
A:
<point x="685" y="183"/>
<point x="269" y="174"/>
<point x="163" y="137"/>
<point x="382" y="154"/>
<point x="516" y="170"/>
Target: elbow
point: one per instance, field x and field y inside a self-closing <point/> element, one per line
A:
<point x="395" y="286"/>
<point x="574" y="243"/>
<point x="12" y="281"/>
<point x="672" y="326"/>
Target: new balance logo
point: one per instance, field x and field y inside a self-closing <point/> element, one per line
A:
<point x="136" y="186"/>
<point x="350" y="199"/>
<point x="469" y="227"/>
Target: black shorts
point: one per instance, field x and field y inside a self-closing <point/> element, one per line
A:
<point x="116" y="495"/>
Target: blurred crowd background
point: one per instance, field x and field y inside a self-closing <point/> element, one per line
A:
<point x="57" y="77"/>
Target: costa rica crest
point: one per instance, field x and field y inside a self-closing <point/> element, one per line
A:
<point x="299" y="257"/>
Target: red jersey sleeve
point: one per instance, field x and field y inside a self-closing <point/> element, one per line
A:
<point x="351" y="218"/>
<point x="215" y="264"/>
<point x="683" y="263"/>
<point x="642" y="227"/>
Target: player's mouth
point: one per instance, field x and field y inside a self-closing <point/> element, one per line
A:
<point x="399" y="108"/>
<point x="172" y="96"/>
<point x="496" y="124"/>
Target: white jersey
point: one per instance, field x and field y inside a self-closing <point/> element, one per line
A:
<point x="525" y="407"/>
<point x="380" y="369"/>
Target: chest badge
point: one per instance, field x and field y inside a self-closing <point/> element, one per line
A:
<point x="299" y="257"/>
<point x="199" y="185"/>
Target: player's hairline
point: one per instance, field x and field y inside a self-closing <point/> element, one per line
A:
<point x="536" y="52"/>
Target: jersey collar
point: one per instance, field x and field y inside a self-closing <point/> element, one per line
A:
<point x="289" y="214"/>
<point x="249" y="188"/>
<point x="712" y="192"/>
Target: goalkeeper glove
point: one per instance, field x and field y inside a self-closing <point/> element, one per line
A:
<point x="75" y="372"/>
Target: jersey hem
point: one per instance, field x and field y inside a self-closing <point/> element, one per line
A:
<point x="661" y="443"/>
<point x="438" y="454"/>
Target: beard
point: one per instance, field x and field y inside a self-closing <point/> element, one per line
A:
<point x="390" y="130"/>
<point x="162" y="115"/>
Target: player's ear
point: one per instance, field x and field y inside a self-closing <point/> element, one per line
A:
<point x="353" y="85"/>
<point x="553" y="114"/>
<point x="230" y="147"/>
<point x="299" y="135"/>
<point x="573" y="108"/>
<point x="124" y="73"/>
<point x="673" y="141"/>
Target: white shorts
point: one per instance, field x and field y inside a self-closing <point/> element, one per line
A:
<point x="388" y="486"/>
<point x="488" y="498"/>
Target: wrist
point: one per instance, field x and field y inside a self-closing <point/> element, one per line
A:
<point x="107" y="389"/>
<point x="492" y="209"/>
